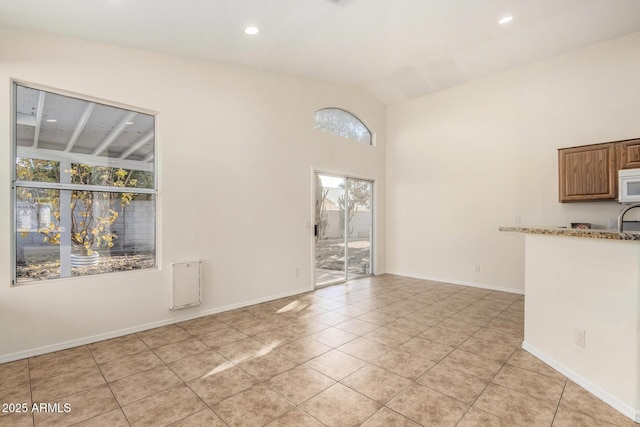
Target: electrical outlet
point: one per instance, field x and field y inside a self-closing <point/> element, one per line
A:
<point x="476" y="268"/>
<point x="580" y="337"/>
<point x="297" y="272"/>
<point x="518" y="219"/>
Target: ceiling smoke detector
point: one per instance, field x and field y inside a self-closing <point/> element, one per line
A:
<point x="339" y="2"/>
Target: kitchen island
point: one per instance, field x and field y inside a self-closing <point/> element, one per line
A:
<point x="582" y="309"/>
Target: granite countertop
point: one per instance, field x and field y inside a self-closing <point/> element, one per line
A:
<point x="574" y="232"/>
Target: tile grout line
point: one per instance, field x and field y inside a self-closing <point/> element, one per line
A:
<point x="110" y="389"/>
<point x="555" y="413"/>
<point x="65" y="373"/>
<point x="184" y="383"/>
<point x="456" y="348"/>
<point x="415" y="382"/>
<point x="496" y="374"/>
<point x="33" y="415"/>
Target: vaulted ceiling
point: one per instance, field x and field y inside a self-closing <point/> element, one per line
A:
<point x="396" y="49"/>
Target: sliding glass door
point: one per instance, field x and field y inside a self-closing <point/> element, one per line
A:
<point x="343" y="228"/>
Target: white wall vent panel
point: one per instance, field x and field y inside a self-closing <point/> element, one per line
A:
<point x="186" y="288"/>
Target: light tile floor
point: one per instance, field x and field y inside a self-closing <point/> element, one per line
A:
<point x="379" y="351"/>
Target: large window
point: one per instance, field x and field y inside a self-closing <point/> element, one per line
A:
<point x="342" y="123"/>
<point x="84" y="187"/>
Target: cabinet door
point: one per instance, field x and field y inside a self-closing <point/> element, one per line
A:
<point x="588" y="173"/>
<point x="629" y="154"/>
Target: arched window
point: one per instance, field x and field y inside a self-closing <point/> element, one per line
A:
<point x="342" y="123"/>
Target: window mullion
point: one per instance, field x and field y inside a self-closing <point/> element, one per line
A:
<point x="82" y="187"/>
<point x="65" y="221"/>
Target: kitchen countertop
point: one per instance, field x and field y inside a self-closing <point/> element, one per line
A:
<point x="574" y="232"/>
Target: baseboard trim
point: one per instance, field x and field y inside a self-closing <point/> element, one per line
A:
<point x="139" y="328"/>
<point x="614" y="402"/>
<point x="464" y="283"/>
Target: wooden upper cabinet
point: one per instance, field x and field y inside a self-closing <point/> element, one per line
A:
<point x="629" y="154"/>
<point x="589" y="172"/>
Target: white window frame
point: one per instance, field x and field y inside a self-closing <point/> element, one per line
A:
<point x="55" y="155"/>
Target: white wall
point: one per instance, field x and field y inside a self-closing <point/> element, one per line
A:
<point x="599" y="294"/>
<point x="462" y="162"/>
<point x="232" y="142"/>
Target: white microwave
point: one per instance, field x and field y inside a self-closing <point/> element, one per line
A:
<point x="629" y="186"/>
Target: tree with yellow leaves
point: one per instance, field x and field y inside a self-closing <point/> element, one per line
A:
<point x="92" y="212"/>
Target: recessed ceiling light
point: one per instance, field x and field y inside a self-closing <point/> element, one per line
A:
<point x="252" y="30"/>
<point x="505" y="20"/>
<point x="51" y="120"/>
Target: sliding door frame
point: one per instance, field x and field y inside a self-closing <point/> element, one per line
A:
<point x="373" y="234"/>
